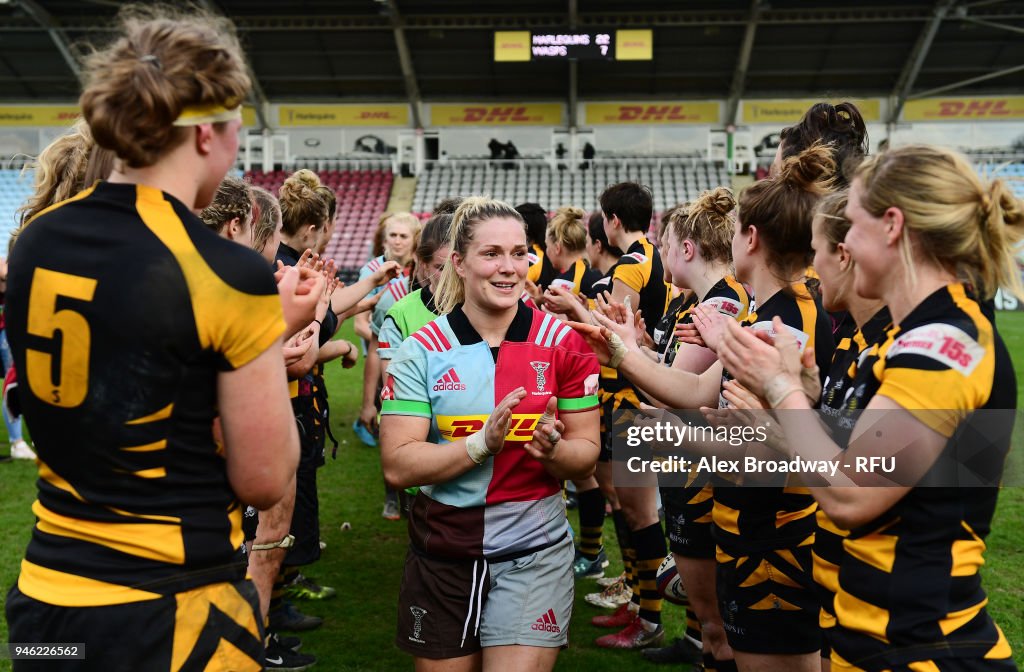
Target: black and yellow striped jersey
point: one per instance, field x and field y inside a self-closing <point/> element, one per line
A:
<point x="665" y="340"/>
<point x="122" y="309"/>
<point x="641" y="270"/>
<point x="728" y="297"/>
<point x="541" y="271"/>
<point x="750" y="518"/>
<point x="909" y="585"/>
<point x="579" y="278"/>
<point x="837" y="397"/>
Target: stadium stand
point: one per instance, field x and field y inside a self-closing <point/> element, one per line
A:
<point x="362" y="196"/>
<point x="671" y="181"/>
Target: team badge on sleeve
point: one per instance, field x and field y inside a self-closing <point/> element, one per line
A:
<point x="725" y="305"/>
<point x="944" y="343"/>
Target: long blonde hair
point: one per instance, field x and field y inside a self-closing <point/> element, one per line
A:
<point x="960" y="221"/>
<point x="474" y="210"/>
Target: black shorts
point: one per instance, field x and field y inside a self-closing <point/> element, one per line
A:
<point x="767" y="602"/>
<point x="142" y="635"/>
<point x="305" y="519"/>
<point x="688" y="521"/>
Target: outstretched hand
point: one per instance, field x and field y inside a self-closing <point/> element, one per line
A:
<point x="387" y="272"/>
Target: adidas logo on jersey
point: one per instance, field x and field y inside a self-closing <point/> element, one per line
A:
<point x="449" y="382"/>
<point x="546" y="623"/>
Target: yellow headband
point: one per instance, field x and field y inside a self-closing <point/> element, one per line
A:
<point x="207" y="114"/>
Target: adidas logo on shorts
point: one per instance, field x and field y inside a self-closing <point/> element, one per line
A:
<point x="449" y="382"/>
<point x="546" y="623"/>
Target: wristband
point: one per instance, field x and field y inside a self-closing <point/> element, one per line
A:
<point x="476" y="446"/>
<point x="779" y="388"/>
<point x="318" y="323"/>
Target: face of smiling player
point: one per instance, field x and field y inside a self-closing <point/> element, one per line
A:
<point x="495" y="264"/>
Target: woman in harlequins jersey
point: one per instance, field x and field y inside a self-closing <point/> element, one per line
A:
<point x="398" y="232"/>
<point x="909" y="592"/>
<point x="413" y="311"/>
<point x="488" y="408"/>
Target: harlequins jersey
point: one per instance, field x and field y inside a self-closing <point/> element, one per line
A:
<point x="409" y="314"/>
<point x="446" y="372"/>
<point x="393" y="292"/>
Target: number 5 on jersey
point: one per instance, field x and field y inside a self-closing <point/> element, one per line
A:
<point x="44" y="320"/>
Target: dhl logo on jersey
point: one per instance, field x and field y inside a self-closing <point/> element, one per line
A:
<point x="455" y="427"/>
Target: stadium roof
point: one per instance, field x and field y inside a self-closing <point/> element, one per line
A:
<point x="433" y="50"/>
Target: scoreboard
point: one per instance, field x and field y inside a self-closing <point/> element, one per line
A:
<point x="537" y="45"/>
<point x="571" y="45"/>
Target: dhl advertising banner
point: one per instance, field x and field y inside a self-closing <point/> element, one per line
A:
<point x="38" y="115"/>
<point x="672" y="112"/>
<point x="497" y="114"/>
<point x="964" y="109"/>
<point x="791" y="111"/>
<point x="343" y="115"/>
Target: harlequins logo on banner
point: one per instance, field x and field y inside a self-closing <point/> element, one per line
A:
<point x="540" y="368"/>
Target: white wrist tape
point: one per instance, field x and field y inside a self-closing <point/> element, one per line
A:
<point x="780" y="387"/>
<point x="476" y="446"/>
<point x="617" y="349"/>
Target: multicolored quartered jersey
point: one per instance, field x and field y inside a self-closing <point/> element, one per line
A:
<point x="446" y="372"/>
<point x="409" y="314"/>
<point x="909" y="584"/>
<point x="134" y="501"/>
<point x="369" y="268"/>
<point x="393" y="292"/>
